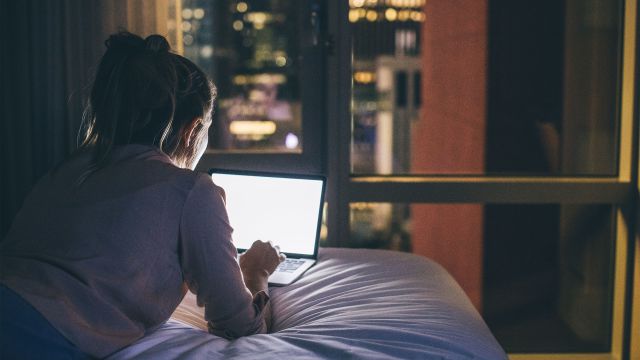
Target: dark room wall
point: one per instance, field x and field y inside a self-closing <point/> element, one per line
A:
<point x="48" y="54"/>
<point x="45" y="63"/>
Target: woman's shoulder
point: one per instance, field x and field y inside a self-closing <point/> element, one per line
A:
<point x="129" y="172"/>
<point x="193" y="183"/>
<point x="203" y="184"/>
<point x="185" y="180"/>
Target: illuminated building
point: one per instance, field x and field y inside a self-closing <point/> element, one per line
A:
<point x="249" y="49"/>
<point x="386" y="105"/>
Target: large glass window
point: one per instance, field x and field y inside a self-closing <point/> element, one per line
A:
<point x="459" y="109"/>
<point x="514" y="112"/>
<point x="485" y="87"/>
<point x="541" y="274"/>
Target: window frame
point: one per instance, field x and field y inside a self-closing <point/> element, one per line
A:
<point x="620" y="191"/>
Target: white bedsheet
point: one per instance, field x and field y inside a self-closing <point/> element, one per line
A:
<point x="354" y="303"/>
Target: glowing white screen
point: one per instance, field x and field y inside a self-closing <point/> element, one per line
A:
<point x="284" y="211"/>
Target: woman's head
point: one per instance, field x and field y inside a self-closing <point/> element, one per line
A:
<point x="144" y="94"/>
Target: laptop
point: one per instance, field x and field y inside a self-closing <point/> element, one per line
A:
<point x="285" y="209"/>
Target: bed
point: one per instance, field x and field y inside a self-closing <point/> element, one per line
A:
<point x="353" y="304"/>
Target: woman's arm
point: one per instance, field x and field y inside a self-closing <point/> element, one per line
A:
<point x="211" y="269"/>
<point x="257" y="264"/>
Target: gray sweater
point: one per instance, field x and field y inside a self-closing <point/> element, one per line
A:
<point x="109" y="260"/>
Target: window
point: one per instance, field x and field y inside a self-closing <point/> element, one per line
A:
<point x="260" y="55"/>
<point x="496" y="131"/>
<point x="492" y="87"/>
<point x="542" y="274"/>
<point x="495" y="137"/>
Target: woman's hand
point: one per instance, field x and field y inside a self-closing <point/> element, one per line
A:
<point x="258" y="263"/>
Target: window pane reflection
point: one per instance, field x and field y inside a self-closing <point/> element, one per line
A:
<point x="250" y="49"/>
<point x="540" y="274"/>
<point x="485" y="87"/>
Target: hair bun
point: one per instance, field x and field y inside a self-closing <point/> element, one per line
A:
<point x="127" y="42"/>
<point x="124" y="41"/>
<point x="156" y="43"/>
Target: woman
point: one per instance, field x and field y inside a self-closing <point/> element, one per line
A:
<point x="106" y="245"/>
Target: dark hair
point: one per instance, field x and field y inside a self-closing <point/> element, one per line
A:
<point x="143" y="94"/>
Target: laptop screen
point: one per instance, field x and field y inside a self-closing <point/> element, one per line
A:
<point x="283" y="209"/>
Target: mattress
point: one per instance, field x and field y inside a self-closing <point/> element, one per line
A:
<point x="353" y="304"/>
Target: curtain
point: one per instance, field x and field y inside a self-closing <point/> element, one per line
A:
<point x="48" y="53"/>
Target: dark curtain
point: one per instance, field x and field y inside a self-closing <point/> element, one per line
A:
<point x="48" y="53"/>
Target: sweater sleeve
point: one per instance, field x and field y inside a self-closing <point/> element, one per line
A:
<point x="210" y="265"/>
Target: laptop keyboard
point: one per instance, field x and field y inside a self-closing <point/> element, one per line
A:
<point x="290" y="265"/>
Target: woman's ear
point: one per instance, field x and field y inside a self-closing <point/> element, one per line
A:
<point x="189" y="129"/>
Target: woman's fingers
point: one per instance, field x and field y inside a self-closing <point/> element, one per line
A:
<point x="262" y="255"/>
